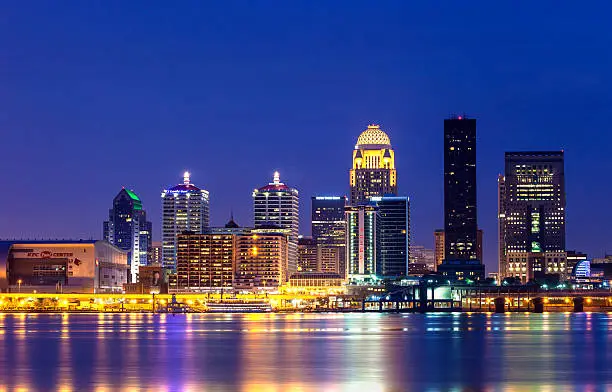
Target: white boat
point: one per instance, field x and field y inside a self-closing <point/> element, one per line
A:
<point x="239" y="306"/>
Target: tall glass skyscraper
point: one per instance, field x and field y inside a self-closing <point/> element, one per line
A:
<point x="394" y="236"/>
<point x="329" y="232"/>
<point x="185" y="207"/>
<point x="127" y="228"/>
<point x="373" y="172"/>
<point x="460" y="219"/>
<point x="532" y="215"/>
<point x="278" y="204"/>
<point x="362" y="248"/>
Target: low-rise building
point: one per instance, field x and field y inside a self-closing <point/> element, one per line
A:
<point x="62" y="266"/>
<point x="315" y="279"/>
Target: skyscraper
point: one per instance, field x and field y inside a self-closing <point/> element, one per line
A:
<point x="532" y="215"/>
<point x="362" y="234"/>
<point x="307" y="254"/>
<point x="128" y="229"/>
<point x="373" y="172"/>
<point x="329" y="231"/>
<point x="394" y="235"/>
<point x="278" y="204"/>
<point x="185" y="208"/>
<point x="460" y="219"/>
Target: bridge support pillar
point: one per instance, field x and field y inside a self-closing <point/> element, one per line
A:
<point x="538" y="305"/>
<point x="578" y="304"/>
<point x="500" y="305"/>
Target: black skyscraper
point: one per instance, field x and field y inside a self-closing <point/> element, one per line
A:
<point x="460" y="223"/>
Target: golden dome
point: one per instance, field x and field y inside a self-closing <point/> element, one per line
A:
<point x="373" y="136"/>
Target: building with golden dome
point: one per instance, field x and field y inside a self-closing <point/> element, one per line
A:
<point x="373" y="173"/>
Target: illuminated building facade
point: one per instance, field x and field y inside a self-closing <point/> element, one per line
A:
<point x="393" y="236"/>
<point x="439" y="246"/>
<point x="315" y="280"/>
<point x="373" y="173"/>
<point x="532" y="215"/>
<point x="439" y="239"/>
<point x="62" y="266"/>
<point x="128" y="229"/>
<point x="307" y="254"/>
<point x="332" y="259"/>
<point x="155" y="254"/>
<point x="460" y="219"/>
<point x="362" y="234"/>
<point x="205" y="262"/>
<point x="261" y="260"/>
<point x="329" y="231"/>
<point x="421" y="258"/>
<point x="185" y="207"/>
<point x="278" y="204"/>
<point x="573" y="258"/>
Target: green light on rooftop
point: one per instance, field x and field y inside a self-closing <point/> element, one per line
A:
<point x="132" y="195"/>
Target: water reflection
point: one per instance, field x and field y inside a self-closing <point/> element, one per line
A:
<point x="335" y="352"/>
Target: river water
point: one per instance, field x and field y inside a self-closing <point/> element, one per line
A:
<point x="306" y="352"/>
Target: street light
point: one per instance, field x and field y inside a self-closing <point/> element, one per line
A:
<point x="19" y="284"/>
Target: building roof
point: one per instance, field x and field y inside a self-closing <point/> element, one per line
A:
<point x="315" y="275"/>
<point x="373" y="136"/>
<point x="132" y="195"/>
<point x="275" y="185"/>
<point x="231" y="224"/>
<point x="184" y="188"/>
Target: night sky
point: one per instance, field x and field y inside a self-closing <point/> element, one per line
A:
<point x="99" y="95"/>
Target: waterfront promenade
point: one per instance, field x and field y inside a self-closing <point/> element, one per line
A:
<point x="472" y="300"/>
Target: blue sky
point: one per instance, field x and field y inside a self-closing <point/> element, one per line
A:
<point x="96" y="96"/>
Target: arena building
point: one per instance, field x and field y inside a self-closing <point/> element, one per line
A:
<point x="62" y="267"/>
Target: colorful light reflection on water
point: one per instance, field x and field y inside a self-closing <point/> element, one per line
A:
<point x="319" y="352"/>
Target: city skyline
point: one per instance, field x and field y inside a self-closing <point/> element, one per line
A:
<point x="305" y="222"/>
<point x="187" y="112"/>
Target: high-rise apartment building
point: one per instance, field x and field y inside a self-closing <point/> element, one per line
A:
<point x="307" y="254"/>
<point x="128" y="229"/>
<point x="362" y="235"/>
<point x="460" y="218"/>
<point x="185" y="207"/>
<point x="261" y="260"/>
<point x="329" y="231"/>
<point x="278" y="204"/>
<point x="373" y="172"/>
<point x="532" y="215"/>
<point x="205" y="262"/>
<point x="393" y="235"/>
